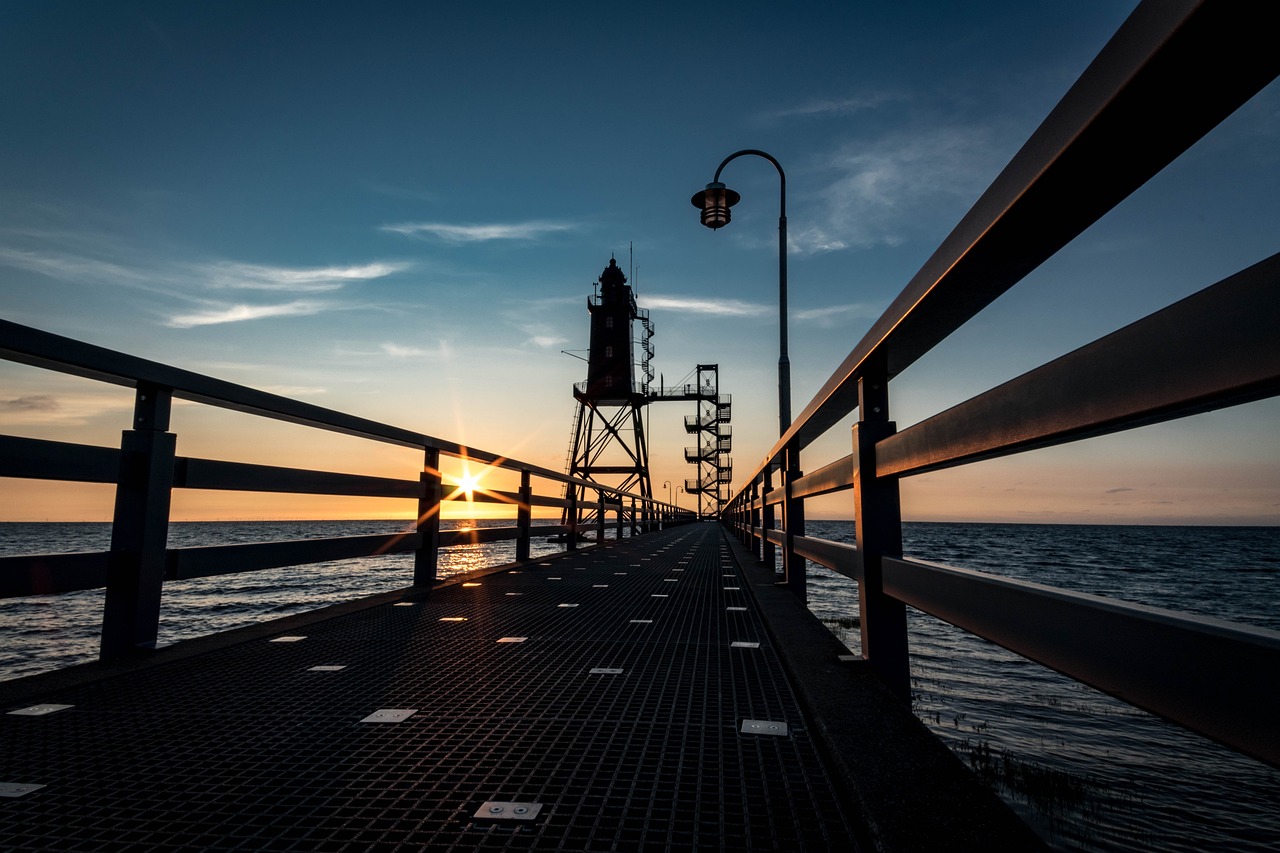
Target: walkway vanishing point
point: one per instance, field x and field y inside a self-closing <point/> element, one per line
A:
<point x="633" y="697"/>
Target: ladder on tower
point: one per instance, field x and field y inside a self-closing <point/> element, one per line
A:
<point x="568" y="454"/>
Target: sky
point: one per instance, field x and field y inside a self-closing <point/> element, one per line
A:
<point x="398" y="210"/>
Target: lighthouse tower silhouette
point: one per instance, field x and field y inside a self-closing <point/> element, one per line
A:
<point x="609" y="446"/>
<point x="610" y="373"/>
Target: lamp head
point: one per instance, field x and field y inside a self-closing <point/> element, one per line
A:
<point x="714" y="202"/>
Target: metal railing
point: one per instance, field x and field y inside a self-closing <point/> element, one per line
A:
<point x="1171" y="73"/>
<point x="146" y="469"/>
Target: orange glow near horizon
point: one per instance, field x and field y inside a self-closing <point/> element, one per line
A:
<point x="459" y="501"/>
<point x="473" y="490"/>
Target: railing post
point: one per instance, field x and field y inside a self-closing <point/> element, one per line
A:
<point x="524" y="517"/>
<point x="633" y="517"/>
<point x="756" y="494"/>
<point x="766" y="545"/>
<point x="619" y="516"/>
<point x="428" y="553"/>
<point x="571" y="516"/>
<point x="793" y="565"/>
<point x="878" y="515"/>
<point x="599" y="518"/>
<point x="140" y="527"/>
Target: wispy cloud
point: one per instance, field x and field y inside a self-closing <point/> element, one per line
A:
<point x="71" y="267"/>
<point x="886" y="189"/>
<point x="31" y="403"/>
<point x="540" y="321"/>
<point x="722" y="307"/>
<point x="62" y="410"/>
<point x="443" y="350"/>
<point x="823" y="107"/>
<point x="240" y="313"/>
<point x="229" y="274"/>
<point x="183" y="280"/>
<point x="400" y="351"/>
<point x="833" y="315"/>
<point x="295" y="391"/>
<point x="178" y="291"/>
<point x="479" y="233"/>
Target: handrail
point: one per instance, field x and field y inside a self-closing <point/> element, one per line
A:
<point x="145" y="470"/>
<point x="1112" y="131"/>
<point x="1202" y="672"/>
<point x="27" y="345"/>
<point x="1081" y="394"/>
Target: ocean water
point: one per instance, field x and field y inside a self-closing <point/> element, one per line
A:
<point x="1085" y="770"/>
<point x="52" y="631"/>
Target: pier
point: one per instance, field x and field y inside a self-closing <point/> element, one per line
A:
<point x="632" y="697"/>
<point x="658" y="684"/>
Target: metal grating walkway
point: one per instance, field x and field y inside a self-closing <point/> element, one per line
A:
<point x="251" y="748"/>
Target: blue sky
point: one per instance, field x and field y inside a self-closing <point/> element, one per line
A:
<point x="398" y="209"/>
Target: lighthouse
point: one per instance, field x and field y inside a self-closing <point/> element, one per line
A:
<point x="608" y="430"/>
<point x="611" y="359"/>
<point x="607" y="441"/>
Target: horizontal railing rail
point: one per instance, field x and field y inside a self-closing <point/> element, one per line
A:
<point x="1208" y="674"/>
<point x="210" y="560"/>
<point x="32" y="458"/>
<point x="47" y="574"/>
<point x="1112" y="131"/>
<point x="39" y="348"/>
<point x="1082" y="394"/>
<point x="146" y="470"/>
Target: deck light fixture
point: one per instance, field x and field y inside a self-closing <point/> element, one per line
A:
<point x="714" y="202"/>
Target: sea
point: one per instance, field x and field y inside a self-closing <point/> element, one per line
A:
<point x="1087" y="772"/>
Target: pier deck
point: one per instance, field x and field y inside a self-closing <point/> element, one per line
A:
<point x="620" y="715"/>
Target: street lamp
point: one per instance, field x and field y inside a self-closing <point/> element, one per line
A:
<point x="714" y="202"/>
<point x="666" y="484"/>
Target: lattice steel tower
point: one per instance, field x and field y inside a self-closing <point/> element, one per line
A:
<point x="608" y="445"/>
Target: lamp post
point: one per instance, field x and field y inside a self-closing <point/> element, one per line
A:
<point x="714" y="202"/>
<point x="666" y="484"/>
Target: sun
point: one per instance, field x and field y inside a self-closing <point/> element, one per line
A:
<point x="468" y="483"/>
